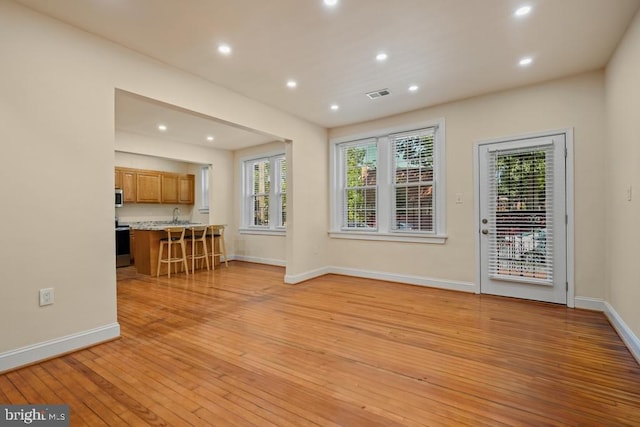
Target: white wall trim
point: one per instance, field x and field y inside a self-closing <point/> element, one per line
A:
<point x="257" y="260"/>
<point x="390" y="277"/>
<point x="628" y="337"/>
<point x="588" y="303"/>
<point x="292" y="279"/>
<point x="45" y="350"/>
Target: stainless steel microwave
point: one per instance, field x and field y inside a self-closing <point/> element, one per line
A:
<point x="119" y="198"/>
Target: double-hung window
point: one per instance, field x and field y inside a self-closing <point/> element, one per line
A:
<point x="265" y="194"/>
<point x="389" y="185"/>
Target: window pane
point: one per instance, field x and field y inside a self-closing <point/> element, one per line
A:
<point x="360" y="197"/>
<point x="414" y="207"/>
<point x="361" y="208"/>
<point x="261" y="210"/>
<point x="283" y="212"/>
<point x="413" y="178"/>
<point x="283" y="192"/>
<point x="261" y="177"/>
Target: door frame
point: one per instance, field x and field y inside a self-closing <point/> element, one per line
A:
<point x="569" y="193"/>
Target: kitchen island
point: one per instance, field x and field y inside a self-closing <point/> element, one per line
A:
<point x="147" y="238"/>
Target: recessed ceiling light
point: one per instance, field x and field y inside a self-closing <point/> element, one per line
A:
<point x="413" y="88"/>
<point x="162" y="128"/>
<point x="210" y="138"/>
<point x="292" y="84"/>
<point x="525" y="61"/>
<point x="522" y="11"/>
<point x="224" y="49"/>
<point x="331" y="2"/>
<point x="381" y="57"/>
<point x="335" y="107"/>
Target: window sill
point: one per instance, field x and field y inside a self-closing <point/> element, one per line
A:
<point x="263" y="232"/>
<point x="436" y="239"/>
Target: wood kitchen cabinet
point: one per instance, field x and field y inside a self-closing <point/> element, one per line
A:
<point x="148" y="187"/>
<point x="186" y="189"/>
<point x="129" y="186"/>
<point x="118" y="177"/>
<point x="169" y="188"/>
<point x="125" y="179"/>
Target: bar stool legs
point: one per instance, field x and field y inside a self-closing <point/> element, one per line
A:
<point x="217" y="231"/>
<point x="198" y="241"/>
<point x="173" y="241"/>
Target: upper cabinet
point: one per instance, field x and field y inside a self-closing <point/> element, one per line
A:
<point x="186" y="189"/>
<point x="129" y="186"/>
<point x="146" y="186"/>
<point x="169" y="188"/>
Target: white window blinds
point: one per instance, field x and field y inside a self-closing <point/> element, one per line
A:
<point x="520" y="214"/>
<point x="360" y="194"/>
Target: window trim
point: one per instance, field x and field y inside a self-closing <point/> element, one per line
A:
<point x="385" y="160"/>
<point x="246" y="212"/>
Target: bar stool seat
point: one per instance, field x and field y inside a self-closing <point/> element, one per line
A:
<point x="198" y="238"/>
<point x="174" y="240"/>
<point x="214" y="231"/>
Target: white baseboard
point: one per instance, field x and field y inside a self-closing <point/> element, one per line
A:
<point x="630" y="339"/>
<point x="293" y="279"/>
<point x="377" y="275"/>
<point x="45" y="350"/>
<point x="278" y="262"/>
<point x="588" y="303"/>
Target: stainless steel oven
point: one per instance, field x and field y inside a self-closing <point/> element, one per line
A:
<point x="123" y="249"/>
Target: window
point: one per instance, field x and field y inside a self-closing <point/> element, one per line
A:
<point x="204" y="189"/>
<point x="389" y="185"/>
<point x="265" y="193"/>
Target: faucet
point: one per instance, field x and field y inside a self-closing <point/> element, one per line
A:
<point x="176" y="214"/>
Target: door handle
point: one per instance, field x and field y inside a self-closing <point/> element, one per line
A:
<point x="485" y="231"/>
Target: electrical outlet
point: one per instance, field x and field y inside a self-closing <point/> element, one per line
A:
<point x="46" y="296"/>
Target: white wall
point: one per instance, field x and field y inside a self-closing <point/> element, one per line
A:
<point x="622" y="158"/>
<point x="57" y="132"/>
<point x="576" y="102"/>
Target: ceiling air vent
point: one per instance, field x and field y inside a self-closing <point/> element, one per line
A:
<point x="378" y="93"/>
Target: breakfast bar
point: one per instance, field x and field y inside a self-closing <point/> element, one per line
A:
<point x="147" y="243"/>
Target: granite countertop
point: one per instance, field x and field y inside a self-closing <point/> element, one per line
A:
<point x="159" y="225"/>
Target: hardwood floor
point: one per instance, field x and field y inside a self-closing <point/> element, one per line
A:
<point x="237" y="347"/>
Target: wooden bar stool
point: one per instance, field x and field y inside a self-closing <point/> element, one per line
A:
<point x="198" y="239"/>
<point x="174" y="239"/>
<point x="217" y="231"/>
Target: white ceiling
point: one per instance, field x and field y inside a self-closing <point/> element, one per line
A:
<point x="451" y="49"/>
<point x="142" y="115"/>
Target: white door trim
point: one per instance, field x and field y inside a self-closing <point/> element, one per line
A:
<point x="569" y="200"/>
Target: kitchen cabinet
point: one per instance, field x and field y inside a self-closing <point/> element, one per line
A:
<point x="118" y="177"/>
<point x="186" y="189"/>
<point x="125" y="179"/>
<point x="169" y="188"/>
<point x="148" y="186"/>
<point x="129" y="185"/>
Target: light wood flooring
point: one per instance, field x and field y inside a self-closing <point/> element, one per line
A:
<point x="237" y="347"/>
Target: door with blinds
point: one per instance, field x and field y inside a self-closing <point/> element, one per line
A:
<point x="523" y="237"/>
